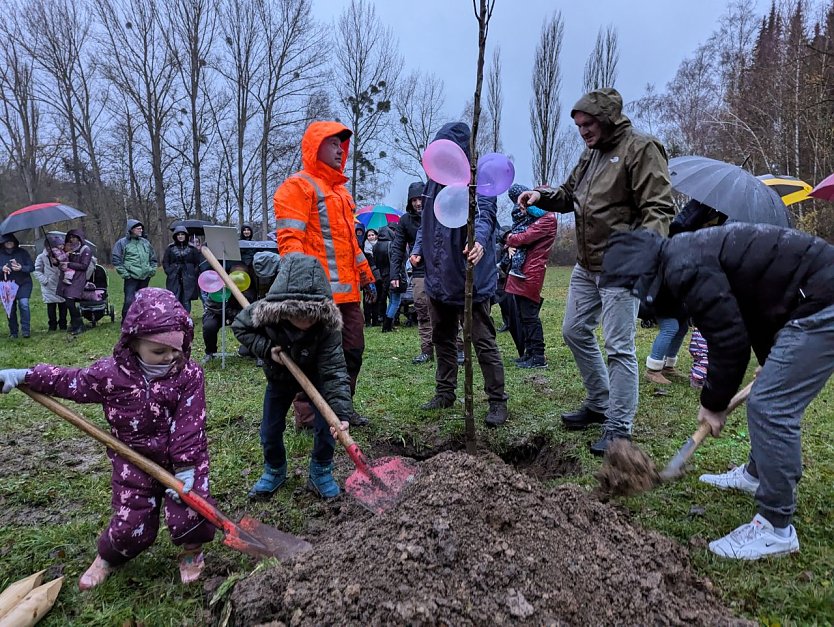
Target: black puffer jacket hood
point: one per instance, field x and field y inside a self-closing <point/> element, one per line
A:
<point x="415" y="190"/>
<point x="301" y="290"/>
<point x="606" y="105"/>
<point x="251" y="232"/>
<point x="634" y="263"/>
<point x="9" y="237"/>
<point x="178" y="230"/>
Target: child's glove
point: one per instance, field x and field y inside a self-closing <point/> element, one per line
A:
<point x="370" y="292"/>
<point x="11" y="378"/>
<point x="187" y="477"/>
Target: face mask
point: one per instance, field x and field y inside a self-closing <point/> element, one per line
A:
<point x="154" y="372"/>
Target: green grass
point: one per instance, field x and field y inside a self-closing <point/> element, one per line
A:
<point x="51" y="511"/>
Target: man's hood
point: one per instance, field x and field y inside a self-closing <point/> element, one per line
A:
<point x="178" y="230"/>
<point x="415" y="190"/>
<point x="155" y="310"/>
<point x="301" y="290"/>
<point x="457" y="132"/>
<point x="9" y="237"/>
<point x="606" y="105"/>
<point x="315" y="134"/>
<point x="632" y="261"/>
<point x="131" y="224"/>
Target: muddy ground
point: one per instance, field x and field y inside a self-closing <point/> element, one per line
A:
<point x="475" y="541"/>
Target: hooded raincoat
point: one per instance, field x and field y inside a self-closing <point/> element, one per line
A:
<point x="620" y="184"/>
<point x="442" y="248"/>
<point x="134" y="257"/>
<point x="163" y="419"/>
<point x="314" y="214"/>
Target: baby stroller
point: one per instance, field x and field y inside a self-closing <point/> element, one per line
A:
<point x="94" y="304"/>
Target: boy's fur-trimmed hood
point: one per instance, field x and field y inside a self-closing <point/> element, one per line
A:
<point x="300" y="290"/>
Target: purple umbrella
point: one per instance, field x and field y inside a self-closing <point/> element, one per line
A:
<point x="8" y="290"/>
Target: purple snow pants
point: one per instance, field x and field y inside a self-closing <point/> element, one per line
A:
<point x="136" y="500"/>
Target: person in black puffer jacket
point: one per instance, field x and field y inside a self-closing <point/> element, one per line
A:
<point x="382" y="260"/>
<point x="746" y="286"/>
<point x="180" y="263"/>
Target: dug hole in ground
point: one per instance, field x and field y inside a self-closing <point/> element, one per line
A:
<point x="474" y="541"/>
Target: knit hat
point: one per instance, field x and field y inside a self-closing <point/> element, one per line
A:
<point x="174" y="339"/>
<point x="516" y="190"/>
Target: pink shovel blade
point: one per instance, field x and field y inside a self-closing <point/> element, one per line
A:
<point x="380" y="485"/>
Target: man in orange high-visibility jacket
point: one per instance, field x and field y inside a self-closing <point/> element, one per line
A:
<point x="314" y="213"/>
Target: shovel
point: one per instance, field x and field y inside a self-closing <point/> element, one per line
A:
<point x="248" y="536"/>
<point x="378" y="484"/>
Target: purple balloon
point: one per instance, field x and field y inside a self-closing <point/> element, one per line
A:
<point x="446" y="163"/>
<point x="209" y="281"/>
<point x="451" y="206"/>
<point x="495" y="174"/>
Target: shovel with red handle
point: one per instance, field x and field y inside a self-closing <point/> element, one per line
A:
<point x="376" y="484"/>
<point x="248" y="536"/>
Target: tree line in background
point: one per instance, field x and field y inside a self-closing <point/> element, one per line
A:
<point x="194" y="108"/>
<point x="759" y="93"/>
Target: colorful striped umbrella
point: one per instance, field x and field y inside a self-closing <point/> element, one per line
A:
<point x="377" y="216"/>
<point x="791" y="189"/>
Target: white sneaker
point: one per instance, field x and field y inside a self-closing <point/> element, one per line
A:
<point x="735" y="479"/>
<point x="755" y="540"/>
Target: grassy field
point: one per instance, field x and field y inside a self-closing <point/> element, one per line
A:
<point x="54" y="481"/>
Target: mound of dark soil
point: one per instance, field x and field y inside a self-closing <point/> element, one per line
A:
<point x="476" y="542"/>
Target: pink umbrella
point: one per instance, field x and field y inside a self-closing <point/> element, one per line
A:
<point x="8" y="290"/>
<point x="825" y="190"/>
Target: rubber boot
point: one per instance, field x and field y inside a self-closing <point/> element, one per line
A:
<point x="387" y="324"/>
<point x="321" y="480"/>
<point x="271" y="479"/>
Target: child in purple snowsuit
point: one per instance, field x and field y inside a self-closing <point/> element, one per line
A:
<point x="153" y="397"/>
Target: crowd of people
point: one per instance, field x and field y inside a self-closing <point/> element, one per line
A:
<point x="720" y="276"/>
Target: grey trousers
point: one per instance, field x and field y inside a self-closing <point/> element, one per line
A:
<point x="796" y="370"/>
<point x="611" y="390"/>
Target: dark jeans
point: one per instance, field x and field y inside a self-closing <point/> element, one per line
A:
<point x="211" y="327"/>
<point x="131" y="287"/>
<point x="445" y="319"/>
<point x="57" y="314"/>
<point x="76" y="322"/>
<point x="530" y="325"/>
<point x="25" y="317"/>
<point x="277" y="401"/>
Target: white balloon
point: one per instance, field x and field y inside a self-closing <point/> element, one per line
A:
<point x="451" y="206"/>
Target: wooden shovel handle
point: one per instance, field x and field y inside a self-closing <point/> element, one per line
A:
<point x="305" y="383"/>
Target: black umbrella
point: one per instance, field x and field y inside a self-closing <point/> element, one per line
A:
<point x="729" y="189"/>
<point x="35" y="216"/>
<point x="194" y="227"/>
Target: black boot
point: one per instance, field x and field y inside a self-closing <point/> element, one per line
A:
<point x="387" y="324"/>
<point x="582" y="418"/>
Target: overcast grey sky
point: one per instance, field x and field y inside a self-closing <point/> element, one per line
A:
<point x="440" y="36"/>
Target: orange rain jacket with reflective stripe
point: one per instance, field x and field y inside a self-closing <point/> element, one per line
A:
<point x="314" y="212"/>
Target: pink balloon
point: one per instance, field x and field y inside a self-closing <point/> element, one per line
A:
<point x="209" y="281"/>
<point x="446" y="163"/>
<point x="451" y="206"/>
<point x="495" y="174"/>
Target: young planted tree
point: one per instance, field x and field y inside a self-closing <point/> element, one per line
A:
<point x="601" y="66"/>
<point x="483" y="13"/>
<point x="418" y="103"/>
<point x="365" y="69"/>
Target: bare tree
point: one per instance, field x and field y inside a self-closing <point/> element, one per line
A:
<point x="418" y="103"/>
<point x="292" y="66"/>
<point x="545" y="107"/>
<point x="601" y="66"/>
<point x="189" y="27"/>
<point x="366" y="66"/>
<point x="495" y="100"/>
<point x="137" y="63"/>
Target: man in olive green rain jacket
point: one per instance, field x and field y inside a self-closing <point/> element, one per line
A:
<point x="621" y="183"/>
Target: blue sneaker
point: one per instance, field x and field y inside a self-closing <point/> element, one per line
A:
<point x="271" y="479"/>
<point x="321" y="480"/>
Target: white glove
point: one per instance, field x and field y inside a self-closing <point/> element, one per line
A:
<point x="187" y="477"/>
<point x="11" y="378"/>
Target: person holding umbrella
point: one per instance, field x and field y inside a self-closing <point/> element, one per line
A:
<point x="16" y="265"/>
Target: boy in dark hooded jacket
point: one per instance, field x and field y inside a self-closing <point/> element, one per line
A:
<point x="297" y="316"/>
<point x="746" y="287"/>
<point x="17" y="265"/>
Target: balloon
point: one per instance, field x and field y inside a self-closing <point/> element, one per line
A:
<point x="209" y="281"/>
<point x="220" y="295"/>
<point x="495" y="174"/>
<point x="451" y="206"/>
<point x="241" y="279"/>
<point x="446" y="163"/>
